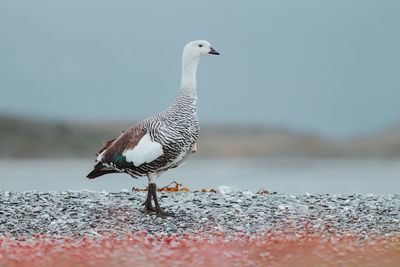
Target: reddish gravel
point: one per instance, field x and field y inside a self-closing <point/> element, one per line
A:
<point x="90" y="229"/>
<point x="211" y="249"/>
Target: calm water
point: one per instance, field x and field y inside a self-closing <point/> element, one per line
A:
<point x="286" y="176"/>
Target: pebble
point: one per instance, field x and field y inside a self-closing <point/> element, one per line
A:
<point x="94" y="214"/>
<point x="225" y="189"/>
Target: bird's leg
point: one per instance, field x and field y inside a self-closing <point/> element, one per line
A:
<point x="152" y="193"/>
<point x="159" y="211"/>
<point x="147" y="203"/>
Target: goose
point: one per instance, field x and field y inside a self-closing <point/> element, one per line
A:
<point x="162" y="141"/>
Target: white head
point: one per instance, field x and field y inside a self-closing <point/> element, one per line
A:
<point x="192" y="53"/>
<point x="198" y="49"/>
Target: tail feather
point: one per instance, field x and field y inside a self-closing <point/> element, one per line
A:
<point x="99" y="170"/>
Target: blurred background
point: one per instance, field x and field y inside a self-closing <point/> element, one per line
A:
<point x="303" y="98"/>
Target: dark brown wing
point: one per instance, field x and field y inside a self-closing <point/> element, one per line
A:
<point x="105" y="146"/>
<point x="113" y="150"/>
<point x="127" y="141"/>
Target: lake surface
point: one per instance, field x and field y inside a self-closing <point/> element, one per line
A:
<point x="292" y="176"/>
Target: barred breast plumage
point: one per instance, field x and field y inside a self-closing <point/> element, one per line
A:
<point x="162" y="141"/>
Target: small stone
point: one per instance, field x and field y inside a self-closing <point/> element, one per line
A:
<point x="236" y="206"/>
<point x="225" y="189"/>
<point x="36" y="209"/>
<point x="247" y="193"/>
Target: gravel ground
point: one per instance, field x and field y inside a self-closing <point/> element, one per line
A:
<point x="95" y="214"/>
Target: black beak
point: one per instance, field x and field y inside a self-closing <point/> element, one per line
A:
<point x="213" y="52"/>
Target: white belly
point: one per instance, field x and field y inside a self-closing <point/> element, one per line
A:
<point x="183" y="156"/>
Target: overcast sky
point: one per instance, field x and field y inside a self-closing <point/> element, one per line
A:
<point x="325" y="67"/>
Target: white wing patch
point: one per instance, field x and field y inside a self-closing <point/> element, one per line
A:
<point x="144" y="152"/>
<point x="100" y="156"/>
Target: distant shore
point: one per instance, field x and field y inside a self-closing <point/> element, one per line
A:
<point x="32" y="138"/>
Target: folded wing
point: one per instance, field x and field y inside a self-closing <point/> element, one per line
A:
<point x="132" y="149"/>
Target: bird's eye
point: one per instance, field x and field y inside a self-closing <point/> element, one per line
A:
<point x="200" y="45"/>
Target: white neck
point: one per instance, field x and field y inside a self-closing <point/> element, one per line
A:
<point x="189" y="67"/>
